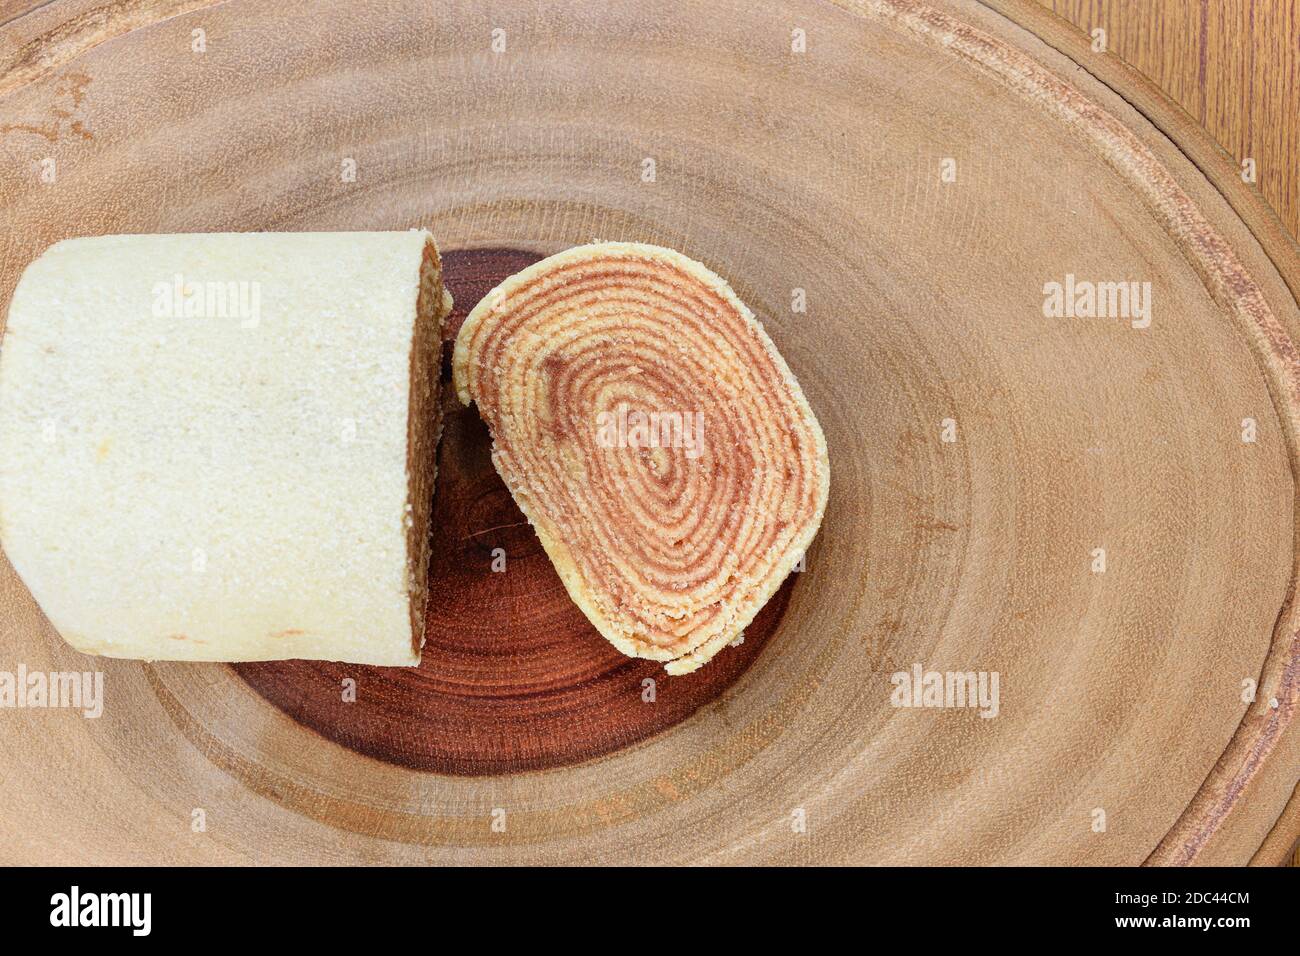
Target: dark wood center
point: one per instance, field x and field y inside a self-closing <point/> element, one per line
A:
<point x="513" y="677"/>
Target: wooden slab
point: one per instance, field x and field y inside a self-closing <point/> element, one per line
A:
<point x="916" y="174"/>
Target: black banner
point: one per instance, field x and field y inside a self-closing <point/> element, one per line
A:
<point x="230" y="905"/>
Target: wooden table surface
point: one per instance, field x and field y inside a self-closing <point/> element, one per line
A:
<point x="1233" y="65"/>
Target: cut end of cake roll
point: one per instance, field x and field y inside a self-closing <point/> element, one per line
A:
<point x="424" y="430"/>
<point x="654" y="437"/>
<point x="221" y="447"/>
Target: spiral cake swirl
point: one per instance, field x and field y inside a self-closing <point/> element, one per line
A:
<point x="653" y="436"/>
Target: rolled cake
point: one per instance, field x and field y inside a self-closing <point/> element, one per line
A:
<point x="221" y="447"/>
<point x="653" y="436"/>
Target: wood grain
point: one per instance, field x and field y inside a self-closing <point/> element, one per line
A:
<point x="820" y="171"/>
<point x="1233" y="65"/>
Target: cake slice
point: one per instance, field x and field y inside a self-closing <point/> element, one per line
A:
<point x="649" y="430"/>
<point x="220" y="447"/>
